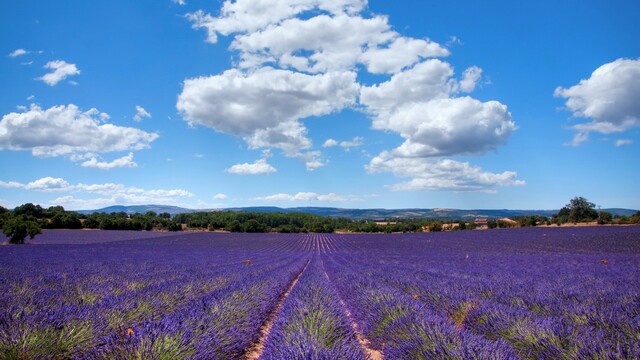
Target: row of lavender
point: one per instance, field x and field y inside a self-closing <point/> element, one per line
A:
<point x="520" y="293"/>
<point x="525" y="293"/>
<point x="186" y="296"/>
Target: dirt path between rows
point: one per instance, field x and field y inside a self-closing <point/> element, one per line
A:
<point x="255" y="350"/>
<point x="372" y="354"/>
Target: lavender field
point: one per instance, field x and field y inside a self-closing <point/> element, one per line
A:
<point x="525" y="293"/>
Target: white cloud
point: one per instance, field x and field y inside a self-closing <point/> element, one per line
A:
<point x="11" y="184"/>
<point x="428" y="80"/>
<point x="70" y="202"/>
<point x="259" y="167"/>
<point x="346" y="145"/>
<point x="265" y="107"/>
<point x="239" y="103"/>
<point x="66" y="130"/>
<point x="125" y="161"/>
<point x="111" y="194"/>
<point x="297" y="59"/>
<point x="252" y="15"/>
<point x="609" y="98"/>
<point x="61" y="71"/>
<point x="219" y="196"/>
<point x="446" y="127"/>
<point x="330" y="143"/>
<point x="46" y="184"/>
<point x="400" y="53"/>
<point x="180" y="2"/>
<point x="470" y="78"/>
<point x="141" y="113"/>
<point x="443" y="174"/>
<point x="17" y="52"/>
<point x="308" y="197"/>
<point x="622" y="142"/>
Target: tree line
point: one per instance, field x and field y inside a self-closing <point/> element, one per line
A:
<point x="29" y="219"/>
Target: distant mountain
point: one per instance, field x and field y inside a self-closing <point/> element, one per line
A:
<point x="141" y="209"/>
<point x="356" y="214"/>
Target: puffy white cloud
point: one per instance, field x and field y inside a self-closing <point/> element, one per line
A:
<point x="259" y="167"/>
<point x="346" y="145"/>
<point x="309" y="197"/>
<point x="451" y="126"/>
<point x="11" y="184"/>
<point x="219" y="196"/>
<point x="300" y="58"/>
<point x="609" y="98"/>
<point x="125" y="161"/>
<point x="111" y="193"/>
<point x="330" y="143"/>
<point x="442" y="174"/>
<point x="17" y="52"/>
<point x="428" y="80"/>
<point x="400" y="53"/>
<point x="251" y="15"/>
<point x="66" y="130"/>
<point x="239" y="103"/>
<point x="70" y="202"/>
<point x="180" y="2"/>
<point x="470" y="78"/>
<point x="61" y="70"/>
<point x="335" y="43"/>
<point x="46" y="184"/>
<point x="141" y="113"/>
<point x="264" y="107"/>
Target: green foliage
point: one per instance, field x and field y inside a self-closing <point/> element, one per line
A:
<point x="17" y="228"/>
<point x="577" y="210"/>
<point x="604" y="217"/>
<point x="29" y="210"/>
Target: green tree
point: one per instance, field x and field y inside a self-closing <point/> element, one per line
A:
<point x="17" y="228"/>
<point x="605" y="217"/>
<point x="580" y="209"/>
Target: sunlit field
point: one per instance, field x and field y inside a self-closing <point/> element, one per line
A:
<point x="525" y="293"/>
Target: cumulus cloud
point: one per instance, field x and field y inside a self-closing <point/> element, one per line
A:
<point x="46" y="184"/>
<point x="66" y="130"/>
<point x="141" y="113"/>
<point x="252" y="15"/>
<point x="450" y="126"/>
<point x="259" y="167"/>
<point x="346" y="145"/>
<point x="239" y="103"/>
<point x="609" y="98"/>
<point x="61" y="70"/>
<point x="265" y="107"/>
<point x="298" y="59"/>
<point x="17" y="52"/>
<point x="440" y="174"/>
<point x="79" y="196"/>
<point x="180" y="2"/>
<point x="125" y="161"/>
<point x="308" y="197"/>
<point x="219" y="196"/>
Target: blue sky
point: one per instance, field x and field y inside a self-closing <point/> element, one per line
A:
<point x="344" y="103"/>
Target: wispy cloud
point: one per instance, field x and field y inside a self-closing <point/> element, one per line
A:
<point x="17" y="52"/>
<point x="141" y="113"/>
<point x="61" y="70"/>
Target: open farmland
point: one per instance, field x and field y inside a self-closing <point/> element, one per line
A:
<point x="525" y="293"/>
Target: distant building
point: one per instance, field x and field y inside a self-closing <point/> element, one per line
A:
<point x="481" y="222"/>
